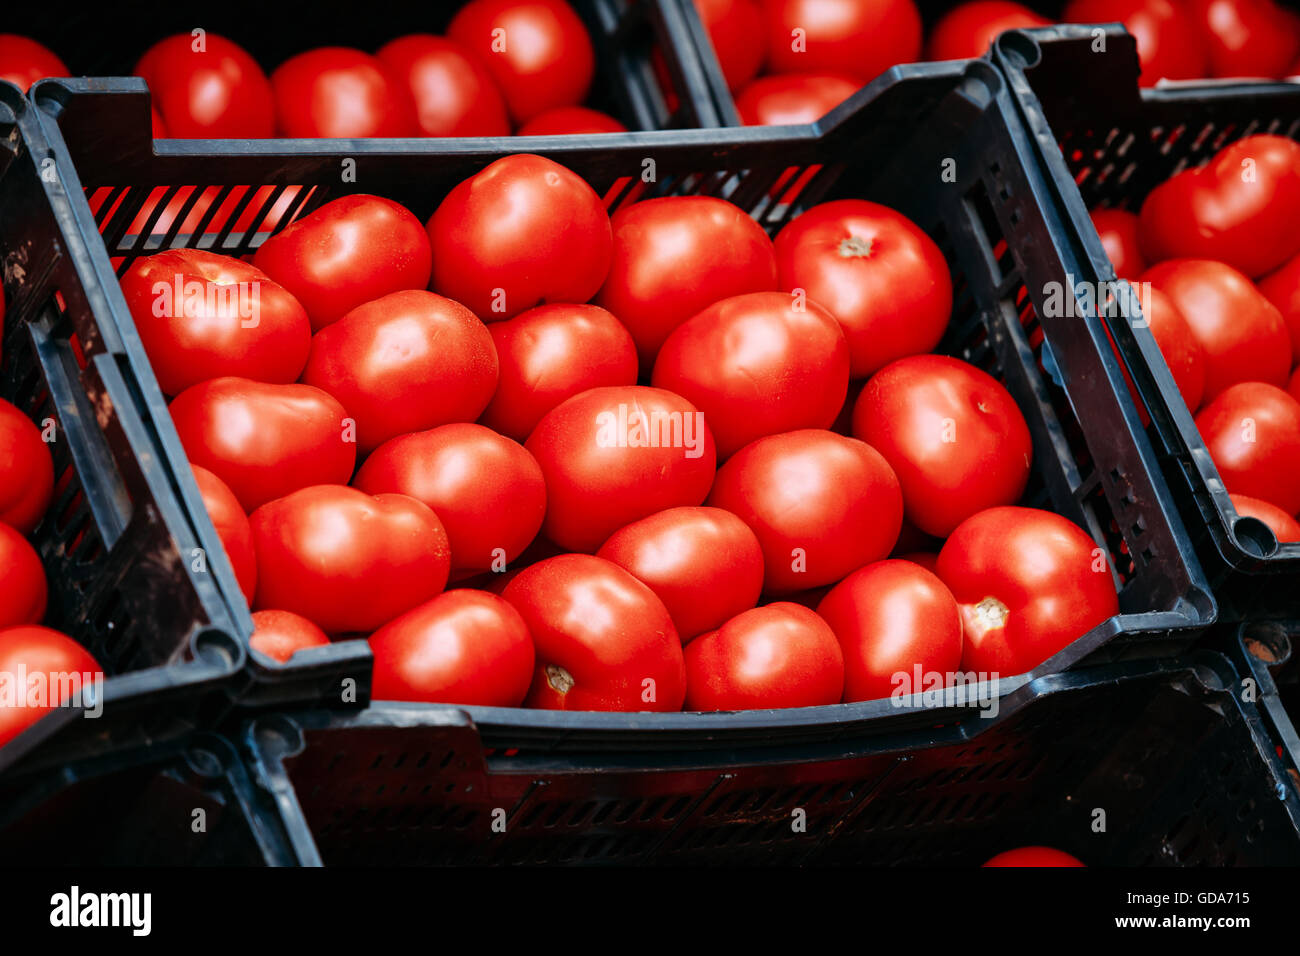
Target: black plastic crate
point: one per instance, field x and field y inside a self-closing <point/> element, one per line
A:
<point x="1102" y="142"/>
<point x="1265" y="653"/>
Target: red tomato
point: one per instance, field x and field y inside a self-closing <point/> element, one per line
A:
<point x="613" y="455"/>
<point x="538" y="51"/>
<point x="1283" y="526"/>
<point x="462" y="647"/>
<point x="486" y="489"/>
<point x="1035" y="856"/>
<point x="735" y="29"/>
<point x="1240" y="208"/>
<point x="523" y="231"/>
<point x="551" y="353"/>
<point x="26" y="470"/>
<point x="1252" y="431"/>
<point x="1282" y="288"/>
<point x="1245" y="38"/>
<point x="1028" y="584"/>
<point x="793" y="98"/>
<point x="23" y="61"/>
<point x="703" y="563"/>
<point x="780" y="655"/>
<point x="821" y="505"/>
<point x="952" y="434"/>
<point x="409" y="361"/>
<point x="678" y="255"/>
<point x="755" y="365"/>
<point x="23" y="597"/>
<point x="1241" y="334"/>
<point x="1293" y="387"/>
<point x="891" y="617"/>
<point x="969" y="29"/>
<point x="568" y="120"/>
<point x="347" y="560"/>
<point x="454" y="95"/>
<point x="1169" y="43"/>
<point x="353" y="250"/>
<point x="841" y="36"/>
<point x="603" y="640"/>
<point x="50" y="660"/>
<point x="208" y="88"/>
<point x="338" y="92"/>
<point x="265" y="441"/>
<point x="1179" y="346"/>
<point x="201" y="315"/>
<point x="1118" y="231"/>
<point x="281" y="634"/>
<point x="232" y="528"/>
<point x="876" y="271"/>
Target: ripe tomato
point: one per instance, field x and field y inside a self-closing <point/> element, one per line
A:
<point x="969" y="29"/>
<point x="1240" y="332"/>
<point x="201" y="315"/>
<point x="26" y="470"/>
<point x="1283" y="526"/>
<point x="462" y="647"/>
<point x="603" y="640"/>
<point x="453" y="93"/>
<point x="793" y="98"/>
<point x="779" y="655"/>
<point x="232" y="528"/>
<point x="1118" y="231"/>
<point x="338" y="92"/>
<point x="487" y="490"/>
<point x="208" y="88"/>
<point x="1028" y="584"/>
<point x="1252" y="431"/>
<point x="346" y="560"/>
<point x="876" y="271"/>
<point x="409" y="361"/>
<point x="952" y="434"/>
<point x="551" y="353"/>
<point x="891" y="617"/>
<point x="1293" y="387"/>
<point x="281" y="634"/>
<point x="1179" y="346"/>
<point x="821" y="505"/>
<point x="568" y="120"/>
<point x="353" y="250"/>
<point x="1240" y="208"/>
<point x="23" y="61"/>
<point x="1282" y="288"/>
<point x="678" y="255"/>
<point x="1035" y="856"/>
<point x="841" y="36"/>
<point x="735" y="29"/>
<point x="1245" y="38"/>
<point x="538" y="51"/>
<point x="523" y="231"/>
<point x="23" y="597"/>
<point x="1169" y="43"/>
<point x="56" y="658"/>
<point x="703" y="563"/>
<point x="613" y="455"/>
<point x="265" y="441"/>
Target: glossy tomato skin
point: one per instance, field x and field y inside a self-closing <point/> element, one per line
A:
<point x="735" y="29"/>
<point x="603" y="640"/>
<point x="1118" y="231"/>
<point x="703" y="563"/>
<point x="232" y="528"/>
<point x="841" y="36"/>
<point x="953" y="435"/>
<point x="461" y="647"/>
<point x="793" y="98"/>
<point x="820" y="504"/>
<point x="778" y="655"/>
<point x="1283" y="525"/>
<point x="1282" y="288"/>
<point x="878" y="273"/>
<point x="203" y="316"/>
<point x="218" y="92"/>
<point x="889" y="618"/>
<point x="757" y="365"/>
<point x="1219" y="212"/>
<point x="613" y="455"/>
<point x="1179" y="346"/>
<point x="969" y="29"/>
<point x="409" y="361"/>
<point x="453" y="93"/>
<point x="26" y="470"/>
<point x="23" y="61"/>
<point x="23" y="597"/>
<point x="1242" y="335"/>
<point x="538" y="51"/>
<point x="1169" y="42"/>
<point x="1252" y="431"/>
<point x="487" y="490"/>
<point x="265" y="441"/>
<point x="40" y="650"/>
<point x="1028" y="583"/>
<point x="353" y="250"/>
<point x="1033" y="856"/>
<point x="523" y="231"/>
<point x="346" y="560"/>
<point x="338" y="92"/>
<point x="678" y="255"/>
<point x="1245" y="38"/>
<point x="281" y="634"/>
<point x="570" y="120"/>
<point x="551" y="353"/>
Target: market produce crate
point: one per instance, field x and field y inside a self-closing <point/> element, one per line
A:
<point x="1265" y="653"/>
<point x="99" y="40"/>
<point x="1102" y="142"/>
